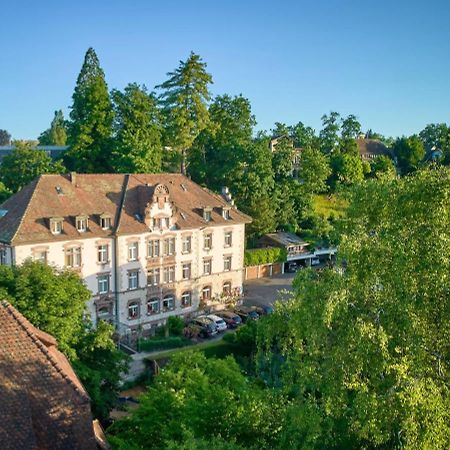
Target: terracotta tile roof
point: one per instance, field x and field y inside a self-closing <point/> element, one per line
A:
<point x="29" y="211"/>
<point x="43" y="404"/>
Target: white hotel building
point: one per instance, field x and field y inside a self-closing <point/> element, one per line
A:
<point x="147" y="246"/>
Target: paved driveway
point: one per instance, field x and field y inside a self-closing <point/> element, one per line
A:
<point x="264" y="291"/>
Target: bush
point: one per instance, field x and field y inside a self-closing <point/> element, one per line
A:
<point x="176" y="325"/>
<point x="152" y="344"/>
<point x="267" y="255"/>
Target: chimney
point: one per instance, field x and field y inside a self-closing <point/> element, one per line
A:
<point x="73" y="177"/>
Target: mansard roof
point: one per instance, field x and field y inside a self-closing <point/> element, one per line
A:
<point x="123" y="197"/>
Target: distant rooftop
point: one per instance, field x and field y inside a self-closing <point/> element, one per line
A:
<point x="285" y="239"/>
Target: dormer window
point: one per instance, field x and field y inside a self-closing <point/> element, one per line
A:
<point x="226" y="213"/>
<point x="207" y="214"/>
<point x="56" y="225"/>
<point x="105" y="222"/>
<point x="81" y="224"/>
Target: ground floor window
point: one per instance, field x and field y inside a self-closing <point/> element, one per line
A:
<point x="153" y="306"/>
<point x="133" y="310"/>
<point x="206" y="293"/>
<point x="168" y="303"/>
<point x="226" y="288"/>
<point x="186" y="299"/>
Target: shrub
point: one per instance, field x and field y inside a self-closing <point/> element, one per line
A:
<point x="267" y="255"/>
<point x="176" y="325"/>
<point x="152" y="344"/>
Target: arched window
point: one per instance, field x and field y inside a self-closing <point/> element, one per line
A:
<point x="226" y="289"/>
<point x="133" y="310"/>
<point x="186" y="299"/>
<point x="153" y="306"/>
<point x="168" y="303"/>
<point x="206" y="293"/>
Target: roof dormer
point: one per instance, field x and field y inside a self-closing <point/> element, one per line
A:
<point x="226" y="212"/>
<point x="82" y="223"/>
<point x="207" y="210"/>
<point x="56" y="225"/>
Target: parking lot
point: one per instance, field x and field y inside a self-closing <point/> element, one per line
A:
<point x="264" y="291"/>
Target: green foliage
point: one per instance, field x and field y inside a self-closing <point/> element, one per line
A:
<point x="184" y="101"/>
<point x="330" y="205"/>
<point x="5" y="193"/>
<point x="55" y="302"/>
<point x="267" y="255"/>
<point x="57" y="133"/>
<point x="282" y="158"/>
<point x="176" y="325"/>
<point x="409" y="152"/>
<point x="347" y="169"/>
<point x="92" y="114"/>
<point x="5" y="137"/>
<point x="329" y="135"/>
<point x="382" y="167"/>
<point x="163" y="343"/>
<point x="350" y="127"/>
<point x="137" y="128"/>
<point x="208" y="398"/>
<point x="303" y="136"/>
<point x="314" y="170"/>
<point x="436" y="136"/>
<point x="24" y="164"/>
<point x="364" y="354"/>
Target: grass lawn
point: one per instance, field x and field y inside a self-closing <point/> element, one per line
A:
<point x="329" y="206"/>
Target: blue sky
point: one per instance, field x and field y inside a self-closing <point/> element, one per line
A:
<point x="388" y="62"/>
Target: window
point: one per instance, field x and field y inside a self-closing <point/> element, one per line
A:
<point x="2" y="256"/>
<point x="82" y="224"/>
<point x="103" y="283"/>
<point x="207" y="263"/>
<point x="153" y="306"/>
<point x="133" y="251"/>
<point x="103" y="253"/>
<point x="41" y="256"/>
<point x="207" y="215"/>
<point x="169" y="246"/>
<point x="167" y="220"/>
<point x="105" y="222"/>
<point x="206" y="293"/>
<point x="153" y="248"/>
<point x="227" y="263"/>
<point x="186" y="271"/>
<point x="168" y="303"/>
<point x="226" y="213"/>
<point x="56" y="226"/>
<point x="226" y="288"/>
<point x="228" y="238"/>
<point x="207" y="241"/>
<point x="153" y="277"/>
<point x="169" y="274"/>
<point x="187" y="244"/>
<point x="133" y="276"/>
<point x="133" y="310"/>
<point x="73" y="257"/>
<point x="186" y="299"/>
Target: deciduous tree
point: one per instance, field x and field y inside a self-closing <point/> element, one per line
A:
<point x="57" y="133"/>
<point x="409" y="152"/>
<point x="5" y="138"/>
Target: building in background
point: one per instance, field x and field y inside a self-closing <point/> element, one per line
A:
<point x="147" y="246"/>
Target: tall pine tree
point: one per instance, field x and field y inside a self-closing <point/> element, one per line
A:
<point x="91" y="120"/>
<point x="184" y="100"/>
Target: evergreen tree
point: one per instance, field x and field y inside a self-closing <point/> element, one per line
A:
<point x="137" y="131"/>
<point x="409" y="152"/>
<point x="184" y="101"/>
<point x="57" y="133"/>
<point x="5" y="138"/>
<point x="91" y="120"/>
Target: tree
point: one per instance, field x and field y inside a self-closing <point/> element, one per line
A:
<point x="184" y="101"/>
<point x="329" y="136"/>
<point x="57" y="133"/>
<point x="409" y="152"/>
<point x="137" y="140"/>
<point x="55" y="301"/>
<point x="5" y="138"/>
<point x="382" y="167"/>
<point x="283" y="159"/>
<point x="91" y="115"/>
<point x="217" y="154"/>
<point x="24" y="164"/>
<point x="303" y="136"/>
<point x="436" y="136"/>
<point x="314" y="170"/>
<point x="346" y="169"/>
<point x="350" y="127"/>
<point x="196" y="398"/>
<point x="363" y="352"/>
<point x="5" y="193"/>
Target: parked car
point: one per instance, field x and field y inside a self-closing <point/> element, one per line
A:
<point x="315" y="261"/>
<point x="207" y="326"/>
<point x="220" y="323"/>
<point x="246" y="313"/>
<point x="264" y="310"/>
<point x="293" y="267"/>
<point x="232" y="319"/>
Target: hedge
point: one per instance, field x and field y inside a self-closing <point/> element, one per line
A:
<point x="268" y="255"/>
<point x="152" y="344"/>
